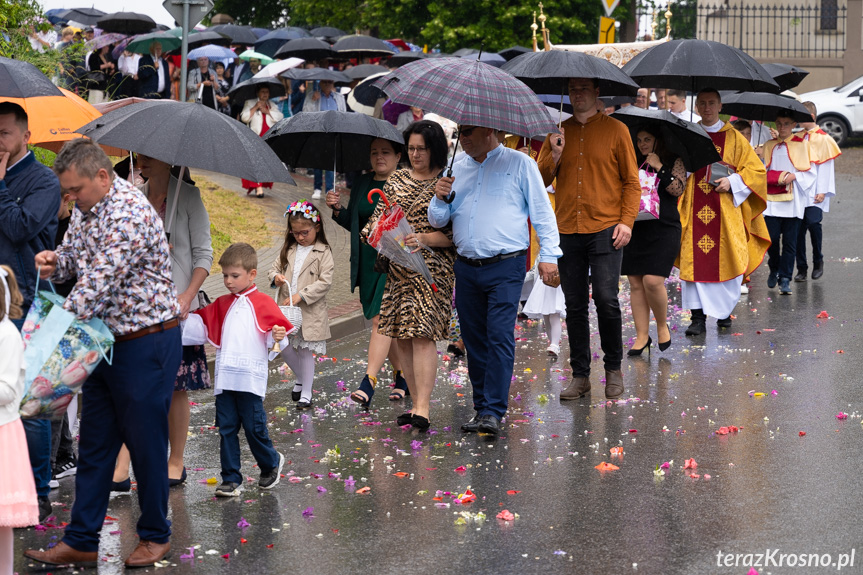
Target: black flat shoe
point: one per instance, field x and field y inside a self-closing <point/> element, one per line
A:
<point x="124" y="486"/>
<point x="420" y="422"/>
<point x="296" y="394"/>
<point x="471" y="426"/>
<point x="634" y="352"/>
<point x="303" y="405"/>
<point x="404" y="418"/>
<point x="176" y="482"/>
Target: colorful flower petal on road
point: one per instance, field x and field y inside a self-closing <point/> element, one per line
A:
<point x="606" y="466"/>
<point x="364" y="490"/>
<point x="505" y="515"/>
<point x="690" y="464"/>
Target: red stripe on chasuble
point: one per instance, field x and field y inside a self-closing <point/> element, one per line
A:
<point x="707" y="221"/>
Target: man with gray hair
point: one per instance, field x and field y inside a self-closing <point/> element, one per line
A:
<point x="117" y="249"/>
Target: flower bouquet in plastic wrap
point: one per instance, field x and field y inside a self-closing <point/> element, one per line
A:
<point x="61" y="352"/>
<point x="388" y="238"/>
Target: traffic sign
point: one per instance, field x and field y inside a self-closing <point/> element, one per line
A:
<point x="198" y="9"/>
<point x="606" y="30"/>
<point x="609" y="6"/>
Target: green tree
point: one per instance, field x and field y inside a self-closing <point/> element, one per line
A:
<point x="263" y="13"/>
<point x="18" y="20"/>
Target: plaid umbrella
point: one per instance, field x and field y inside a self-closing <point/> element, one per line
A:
<point x="470" y="93"/>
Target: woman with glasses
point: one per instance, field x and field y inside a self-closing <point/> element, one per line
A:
<point x="385" y="157"/>
<point x="187" y="225"/>
<point x="411" y="311"/>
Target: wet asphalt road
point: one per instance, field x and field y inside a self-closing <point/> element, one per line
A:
<point x="778" y="373"/>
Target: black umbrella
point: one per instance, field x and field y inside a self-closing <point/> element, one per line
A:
<point x="697" y="64"/>
<point x="358" y="46"/>
<point x="237" y="34"/>
<point x="684" y="139"/>
<point x="327" y="32"/>
<point x="309" y="74"/>
<point x="489" y="58"/>
<point x="330" y="140"/>
<point x="365" y="95"/>
<point x="403" y="58"/>
<point x="763" y="107"/>
<point x="24" y="80"/>
<point x="364" y="71"/>
<point x="461" y="52"/>
<point x="248" y="90"/>
<point x="127" y="23"/>
<point x="87" y="16"/>
<point x="270" y="43"/>
<point x="190" y="135"/>
<point x="305" y="48"/>
<point x="786" y="75"/>
<point x="511" y="53"/>
<point x="198" y="39"/>
<point x="549" y="72"/>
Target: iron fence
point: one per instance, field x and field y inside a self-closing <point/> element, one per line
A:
<point x="777" y="31"/>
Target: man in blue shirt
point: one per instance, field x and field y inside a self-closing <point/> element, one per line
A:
<point x="496" y="190"/>
<point x="326" y="99"/>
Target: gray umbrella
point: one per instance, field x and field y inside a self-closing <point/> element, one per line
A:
<point x="190" y="135"/>
<point x="317" y="74"/>
<point x="24" y="80"/>
<point x="248" y="90"/>
<point x="329" y="140"/>
<point x="305" y="48"/>
<point x="364" y="71"/>
<point x="404" y="58"/>
<point x="359" y="46"/>
<point x="237" y="34"/>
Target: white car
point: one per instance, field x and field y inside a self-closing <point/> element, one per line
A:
<point x="840" y="109"/>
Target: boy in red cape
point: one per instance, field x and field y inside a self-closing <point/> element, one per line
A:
<point x="243" y="326"/>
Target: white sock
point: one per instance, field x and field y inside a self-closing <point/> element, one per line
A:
<point x="552" y="328"/>
<point x="302" y="363"/>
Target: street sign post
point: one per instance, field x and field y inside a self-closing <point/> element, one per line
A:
<point x="187" y="14"/>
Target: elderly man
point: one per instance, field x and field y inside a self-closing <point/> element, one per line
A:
<point x="642" y="98"/>
<point x="154" y="78"/>
<point x="596" y="202"/>
<point x="202" y="83"/>
<point x="496" y="190"/>
<point x="724" y="235"/>
<point x="29" y="202"/>
<point x="327" y="99"/>
<point x="116" y="247"/>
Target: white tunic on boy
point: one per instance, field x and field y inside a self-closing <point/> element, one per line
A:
<point x="804" y="183"/>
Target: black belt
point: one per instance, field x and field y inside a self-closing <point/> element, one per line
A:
<point x="492" y="260"/>
<point x="164" y="326"/>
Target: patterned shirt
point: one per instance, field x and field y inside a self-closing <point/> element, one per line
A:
<point x="119" y="253"/>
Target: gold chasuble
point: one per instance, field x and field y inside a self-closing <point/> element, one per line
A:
<point x="720" y="241"/>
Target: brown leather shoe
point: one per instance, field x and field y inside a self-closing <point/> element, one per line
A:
<point x="579" y="387"/>
<point x="62" y="554"/>
<point x="613" y="384"/>
<point x="148" y="553"/>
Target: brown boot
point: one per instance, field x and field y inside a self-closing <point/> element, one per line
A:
<point x="613" y="384"/>
<point x="148" y="553"/>
<point x="579" y="387"/>
<point x="62" y="554"/>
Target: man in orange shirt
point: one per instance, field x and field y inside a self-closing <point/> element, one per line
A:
<point x="597" y="198"/>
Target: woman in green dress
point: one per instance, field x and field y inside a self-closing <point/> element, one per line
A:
<point x="385" y="157"/>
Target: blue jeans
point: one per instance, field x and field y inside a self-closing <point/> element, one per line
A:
<point x="592" y="254"/>
<point x="320" y="176"/>
<point x="126" y="402"/>
<point x="38" y="433"/>
<point x="241" y="408"/>
<point x="811" y="223"/>
<point x="783" y="248"/>
<point x="487" y="303"/>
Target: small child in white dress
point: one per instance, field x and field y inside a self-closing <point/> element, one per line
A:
<point x="306" y="263"/>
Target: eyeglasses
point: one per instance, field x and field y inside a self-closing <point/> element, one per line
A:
<point x="466" y="132"/>
<point x="300" y="234"/>
<point x="417" y="149"/>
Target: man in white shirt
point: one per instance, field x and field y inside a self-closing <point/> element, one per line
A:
<point x="677" y="105"/>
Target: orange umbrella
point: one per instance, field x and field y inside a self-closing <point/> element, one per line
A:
<point x="53" y="120"/>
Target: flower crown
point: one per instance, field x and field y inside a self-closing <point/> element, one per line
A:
<point x="306" y="209"/>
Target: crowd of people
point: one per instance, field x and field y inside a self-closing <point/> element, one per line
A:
<point x="566" y="213"/>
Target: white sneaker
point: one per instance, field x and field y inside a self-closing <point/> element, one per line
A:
<point x="744" y="289"/>
<point x="53" y="484"/>
<point x="553" y="350"/>
<point x="317" y="195"/>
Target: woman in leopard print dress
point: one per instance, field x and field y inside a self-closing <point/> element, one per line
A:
<point x="411" y="312"/>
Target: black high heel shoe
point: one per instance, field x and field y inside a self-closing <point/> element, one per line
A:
<point x="663" y="345"/>
<point x="420" y="422"/>
<point x="404" y="419"/>
<point x="633" y="352"/>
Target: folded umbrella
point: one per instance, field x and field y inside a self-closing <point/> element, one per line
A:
<point x="126" y="23"/>
<point x="329" y="140"/>
<point x="359" y="46"/>
<point x="685" y="139"/>
<point x="365" y="70"/>
<point x="305" y="48"/>
<point x="248" y="90"/>
<point x="763" y="107"/>
<point x="469" y="93"/>
<point x="697" y="64"/>
<point x="20" y="79"/>
<point x="786" y="75"/>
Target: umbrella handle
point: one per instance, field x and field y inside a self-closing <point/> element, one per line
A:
<point x="381" y="194"/>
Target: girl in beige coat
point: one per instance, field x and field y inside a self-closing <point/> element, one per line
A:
<point x="306" y="265"/>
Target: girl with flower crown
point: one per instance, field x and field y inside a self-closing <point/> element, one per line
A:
<point x="306" y="265"/>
